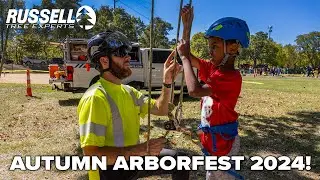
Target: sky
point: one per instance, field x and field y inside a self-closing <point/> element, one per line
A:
<point x="289" y="18"/>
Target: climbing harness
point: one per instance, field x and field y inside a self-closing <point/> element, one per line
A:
<point x="227" y="131"/>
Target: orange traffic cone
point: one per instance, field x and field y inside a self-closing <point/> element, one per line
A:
<point x="29" y="92"/>
<point x="88" y="67"/>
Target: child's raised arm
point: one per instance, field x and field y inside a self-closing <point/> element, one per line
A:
<point x="195" y="89"/>
<point x="187" y="18"/>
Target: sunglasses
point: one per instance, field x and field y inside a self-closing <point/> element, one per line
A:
<point x="121" y="52"/>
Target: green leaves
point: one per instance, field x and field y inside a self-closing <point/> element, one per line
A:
<point x="161" y="30"/>
<point x="309" y="45"/>
<point x="261" y="50"/>
<point x="118" y="19"/>
<point x="199" y="46"/>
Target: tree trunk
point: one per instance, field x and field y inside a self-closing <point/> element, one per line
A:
<point x="310" y="57"/>
<point x="17" y="55"/>
<point x="4" y="45"/>
<point x="45" y="46"/>
<point x="2" y="31"/>
<point x="254" y="67"/>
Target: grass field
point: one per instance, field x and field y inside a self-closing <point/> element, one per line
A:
<point x="278" y="116"/>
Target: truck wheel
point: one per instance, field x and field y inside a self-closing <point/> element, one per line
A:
<point x="94" y="80"/>
<point x="66" y="87"/>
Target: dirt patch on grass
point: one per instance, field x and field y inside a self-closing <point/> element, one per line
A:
<point x="22" y="78"/>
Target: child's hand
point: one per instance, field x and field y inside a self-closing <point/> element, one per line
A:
<point x="184" y="49"/>
<point x="187" y="16"/>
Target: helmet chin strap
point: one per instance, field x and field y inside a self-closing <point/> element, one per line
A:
<point x="226" y="55"/>
<point x="109" y="68"/>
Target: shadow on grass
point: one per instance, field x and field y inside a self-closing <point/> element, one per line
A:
<point x="75" y="101"/>
<point x="186" y="97"/>
<point x="144" y="128"/>
<point x="69" y="102"/>
<point x="78" y="150"/>
<point x="192" y="122"/>
<point x="189" y="124"/>
<point x="296" y="134"/>
<point x="83" y="177"/>
<point x="33" y="97"/>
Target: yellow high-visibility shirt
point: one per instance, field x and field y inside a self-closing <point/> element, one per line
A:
<point x="109" y="115"/>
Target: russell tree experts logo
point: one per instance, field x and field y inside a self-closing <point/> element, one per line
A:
<point x="85" y="17"/>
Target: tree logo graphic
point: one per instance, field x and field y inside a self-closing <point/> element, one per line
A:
<point x="86" y="17"/>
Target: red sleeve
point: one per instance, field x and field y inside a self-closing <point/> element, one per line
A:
<point x="204" y="70"/>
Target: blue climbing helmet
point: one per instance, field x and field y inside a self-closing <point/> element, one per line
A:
<point x="230" y="28"/>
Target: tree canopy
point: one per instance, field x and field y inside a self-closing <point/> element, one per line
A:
<point x="16" y="43"/>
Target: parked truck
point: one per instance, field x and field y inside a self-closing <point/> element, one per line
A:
<point x="78" y="74"/>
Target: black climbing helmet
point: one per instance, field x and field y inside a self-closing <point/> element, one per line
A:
<point x="108" y="43"/>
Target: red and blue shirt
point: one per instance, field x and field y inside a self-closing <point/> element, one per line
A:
<point x="219" y="107"/>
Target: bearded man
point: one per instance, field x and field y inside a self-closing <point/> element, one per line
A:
<point x="109" y="112"/>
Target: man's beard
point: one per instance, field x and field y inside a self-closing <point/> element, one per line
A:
<point x="119" y="72"/>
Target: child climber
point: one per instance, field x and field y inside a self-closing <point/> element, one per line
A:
<point x="218" y="131"/>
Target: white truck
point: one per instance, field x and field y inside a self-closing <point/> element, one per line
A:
<point x="77" y="74"/>
<point x="28" y="61"/>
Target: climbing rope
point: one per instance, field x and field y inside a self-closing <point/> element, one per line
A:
<point x="179" y="112"/>
<point x="150" y="75"/>
<point x="175" y="120"/>
<point x="173" y="123"/>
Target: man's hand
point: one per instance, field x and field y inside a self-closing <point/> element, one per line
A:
<point x="155" y="146"/>
<point x="171" y="69"/>
<point x="184" y="49"/>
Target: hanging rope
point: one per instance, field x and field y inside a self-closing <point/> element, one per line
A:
<point x="150" y="75"/>
<point x="172" y="124"/>
<point x="179" y="112"/>
<point x="174" y="120"/>
<point x="176" y="53"/>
